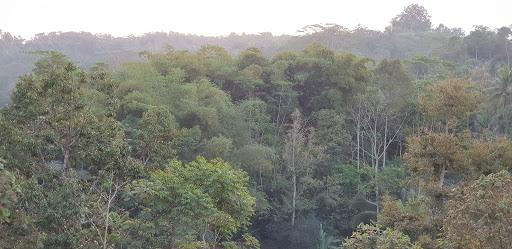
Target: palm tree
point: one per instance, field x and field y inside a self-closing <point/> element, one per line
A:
<point x="502" y="89"/>
<point x="326" y="241"/>
<point x="500" y="94"/>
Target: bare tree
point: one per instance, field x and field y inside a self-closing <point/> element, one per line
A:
<point x="299" y="155"/>
<point x="377" y="126"/>
<point x="99" y="215"/>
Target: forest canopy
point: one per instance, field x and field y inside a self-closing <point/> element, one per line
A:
<point x="333" y="139"/>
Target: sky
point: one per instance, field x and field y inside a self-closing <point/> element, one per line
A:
<point x="26" y="18"/>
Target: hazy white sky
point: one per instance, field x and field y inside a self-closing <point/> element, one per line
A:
<point x="220" y="17"/>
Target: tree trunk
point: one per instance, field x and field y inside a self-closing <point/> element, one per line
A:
<point x="441" y="177"/>
<point x="294" y="171"/>
<point x="294" y="180"/>
<point x="107" y="218"/>
<point x="419" y="187"/>
<point x="294" y="198"/>
<point x="261" y="179"/>
<point x="385" y="143"/>
<point x="508" y="57"/>
<point x="358" y="135"/>
<point x="66" y="162"/>
<point x="376" y="165"/>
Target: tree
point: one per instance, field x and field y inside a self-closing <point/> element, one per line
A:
<point x="500" y="94"/>
<point x="413" y="217"/>
<point x="330" y="132"/>
<point x="48" y="103"/>
<point x="378" y="125"/>
<point x="295" y="140"/>
<point x="58" y="146"/>
<point x="172" y="60"/>
<point x="326" y="241"/>
<point x="394" y="82"/>
<point x="325" y="79"/>
<point x="100" y="212"/>
<point x="9" y="190"/>
<point x="49" y="113"/>
<point x="259" y="121"/>
<point x="204" y="199"/>
<point x="373" y="237"/>
<point x="299" y="156"/>
<point x="431" y="155"/>
<point x="488" y="155"/>
<point x="47" y="216"/>
<point x="326" y="33"/>
<point x="257" y="160"/>
<point x="157" y="130"/>
<point x="414" y="18"/>
<point x="251" y="56"/>
<point x="450" y="102"/>
<point x="486" y="45"/>
<point x="502" y="89"/>
<point x="218" y="147"/>
<point x="102" y="93"/>
<point x="479" y="213"/>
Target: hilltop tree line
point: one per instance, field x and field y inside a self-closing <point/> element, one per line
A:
<point x="410" y="35"/>
<point x="305" y="148"/>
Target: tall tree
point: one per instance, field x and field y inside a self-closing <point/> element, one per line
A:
<point x="299" y="155"/>
<point x="414" y="18"/>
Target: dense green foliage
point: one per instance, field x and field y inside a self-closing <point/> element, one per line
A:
<point x="403" y="143"/>
<point x="409" y="36"/>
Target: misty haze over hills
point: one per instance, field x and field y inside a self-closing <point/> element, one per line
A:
<point x="84" y="48"/>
